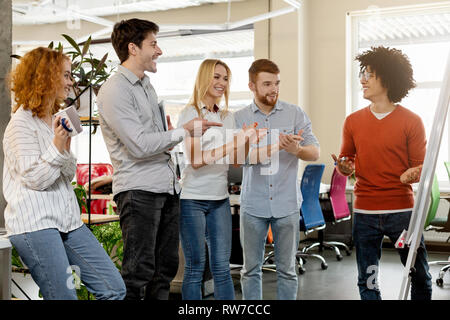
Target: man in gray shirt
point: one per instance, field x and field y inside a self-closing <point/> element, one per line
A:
<point x="270" y="194"/>
<point x="145" y="185"/>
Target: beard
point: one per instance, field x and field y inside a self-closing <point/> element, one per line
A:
<point x="265" y="99"/>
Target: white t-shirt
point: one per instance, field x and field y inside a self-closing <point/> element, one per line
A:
<point x="380" y="116"/>
<point x="209" y="182"/>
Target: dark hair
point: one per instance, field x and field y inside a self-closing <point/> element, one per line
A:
<point x="130" y="31"/>
<point x="392" y="66"/>
<point x="262" y="65"/>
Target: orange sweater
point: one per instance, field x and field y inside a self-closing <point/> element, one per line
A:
<point x="382" y="151"/>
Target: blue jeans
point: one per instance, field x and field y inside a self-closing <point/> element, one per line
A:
<point x="286" y="235"/>
<point x="368" y="233"/>
<point x="210" y="221"/>
<point x="50" y="254"/>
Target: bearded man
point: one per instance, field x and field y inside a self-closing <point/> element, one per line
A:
<point x="272" y="197"/>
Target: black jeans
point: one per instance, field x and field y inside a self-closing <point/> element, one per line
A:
<point x="368" y="233"/>
<point x="150" y="231"/>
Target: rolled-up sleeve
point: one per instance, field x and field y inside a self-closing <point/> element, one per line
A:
<point x="304" y="123"/>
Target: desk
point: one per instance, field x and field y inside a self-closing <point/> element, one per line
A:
<point x="99" y="218"/>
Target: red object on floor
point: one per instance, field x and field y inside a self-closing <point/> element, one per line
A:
<point x="97" y="170"/>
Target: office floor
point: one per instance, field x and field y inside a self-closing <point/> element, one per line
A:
<point x="338" y="282"/>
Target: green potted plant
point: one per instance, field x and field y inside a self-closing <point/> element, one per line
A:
<point x="86" y="70"/>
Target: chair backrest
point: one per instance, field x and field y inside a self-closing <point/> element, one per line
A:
<point x="337" y="196"/>
<point x="97" y="170"/>
<point x="434" y="204"/>
<point x="311" y="212"/>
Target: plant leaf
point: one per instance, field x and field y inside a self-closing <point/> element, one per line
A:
<point x="60" y="47"/>
<point x="101" y="64"/>
<point x="86" y="46"/>
<point x="72" y="42"/>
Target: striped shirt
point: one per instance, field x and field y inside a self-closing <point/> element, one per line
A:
<point x="37" y="178"/>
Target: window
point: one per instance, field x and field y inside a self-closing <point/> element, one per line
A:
<point x="423" y="34"/>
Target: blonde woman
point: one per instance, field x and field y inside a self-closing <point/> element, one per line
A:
<point x="205" y="208"/>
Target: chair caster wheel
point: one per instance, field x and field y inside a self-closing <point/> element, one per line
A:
<point x="349" y="253"/>
<point x="440" y="282"/>
<point x="339" y="257"/>
<point x="301" y="270"/>
<point x="324" y="266"/>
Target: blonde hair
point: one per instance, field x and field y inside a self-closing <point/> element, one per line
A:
<point x="205" y="76"/>
<point x="36" y="80"/>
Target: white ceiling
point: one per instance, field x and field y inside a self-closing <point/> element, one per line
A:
<point x="102" y="12"/>
<point x="29" y="12"/>
<point x="237" y="42"/>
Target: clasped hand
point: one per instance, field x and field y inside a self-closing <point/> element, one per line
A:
<point x="290" y="142"/>
<point x="250" y="134"/>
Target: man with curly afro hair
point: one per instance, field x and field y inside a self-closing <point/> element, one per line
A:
<point x="384" y="144"/>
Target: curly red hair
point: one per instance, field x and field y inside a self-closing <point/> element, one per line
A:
<point x="36" y="80"/>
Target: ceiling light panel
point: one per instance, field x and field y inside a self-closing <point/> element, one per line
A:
<point x="27" y="12"/>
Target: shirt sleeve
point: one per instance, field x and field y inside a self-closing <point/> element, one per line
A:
<point x="69" y="167"/>
<point x="304" y="123"/>
<point x="348" y="148"/>
<point x="37" y="170"/>
<point x="120" y="114"/>
<point x="416" y="143"/>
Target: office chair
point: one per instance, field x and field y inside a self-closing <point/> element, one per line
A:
<point x="438" y="224"/>
<point x="335" y="210"/>
<point x="311" y="216"/>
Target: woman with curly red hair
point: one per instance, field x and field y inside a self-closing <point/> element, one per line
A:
<point x="42" y="215"/>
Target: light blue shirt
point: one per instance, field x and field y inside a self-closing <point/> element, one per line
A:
<point x="272" y="189"/>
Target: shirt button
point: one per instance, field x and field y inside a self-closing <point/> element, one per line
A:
<point x="271" y="186"/>
<point x="270" y="198"/>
